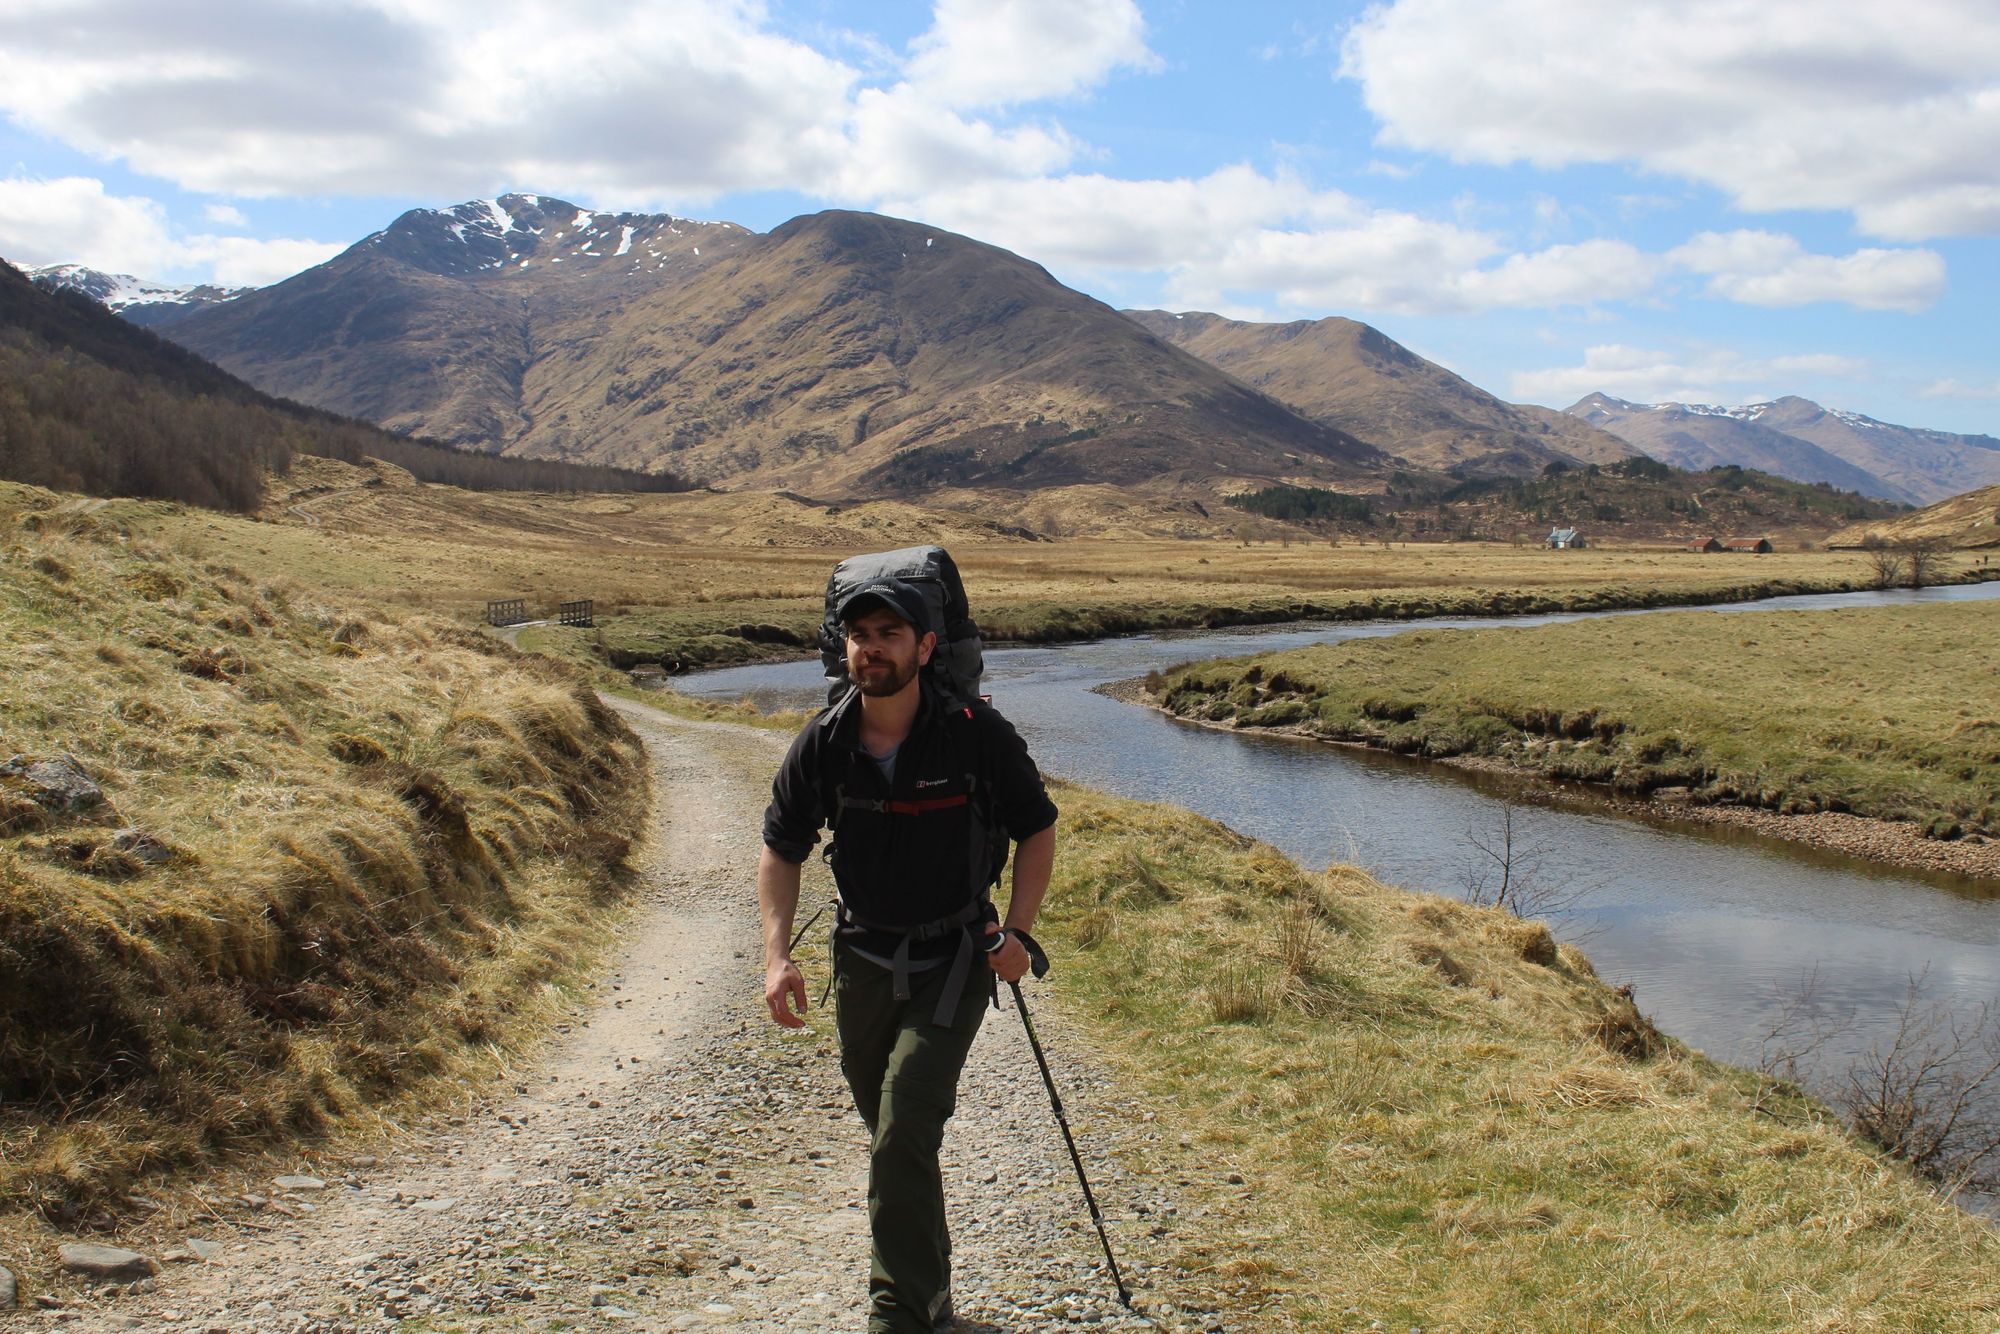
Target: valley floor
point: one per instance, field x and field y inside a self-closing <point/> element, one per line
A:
<point x="1309" y="1101"/>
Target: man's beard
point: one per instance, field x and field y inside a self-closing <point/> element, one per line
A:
<point x="883" y="683"/>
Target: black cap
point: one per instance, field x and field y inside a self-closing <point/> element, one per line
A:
<point x="902" y="600"/>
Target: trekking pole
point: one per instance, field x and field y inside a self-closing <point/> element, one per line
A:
<point x="1055" y="1101"/>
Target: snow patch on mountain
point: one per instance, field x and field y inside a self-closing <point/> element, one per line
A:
<point x="125" y="294"/>
<point x="1860" y="422"/>
<point x="502" y="220"/>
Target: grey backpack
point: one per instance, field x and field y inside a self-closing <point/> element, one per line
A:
<point x="958" y="663"/>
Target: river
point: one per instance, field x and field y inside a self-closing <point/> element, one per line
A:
<point x="1715" y="929"/>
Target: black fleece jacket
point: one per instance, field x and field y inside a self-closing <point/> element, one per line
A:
<point x="916" y="850"/>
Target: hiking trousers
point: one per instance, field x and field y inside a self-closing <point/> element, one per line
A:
<point x="903" y="1071"/>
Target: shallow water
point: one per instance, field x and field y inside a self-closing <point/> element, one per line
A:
<point x="1714" y="928"/>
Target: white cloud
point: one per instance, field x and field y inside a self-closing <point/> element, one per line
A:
<point x="1565" y="275"/>
<point x="901" y="143"/>
<point x="1238" y="238"/>
<point x="1698" y="375"/>
<point x="677" y="102"/>
<point x="74" y="219"/>
<point x="1888" y="111"/>
<point x="242" y="261"/>
<point x="224" y="215"/>
<point x="1771" y="269"/>
<point x="435" y="97"/>
<point x="1950" y="387"/>
<point x="984" y="53"/>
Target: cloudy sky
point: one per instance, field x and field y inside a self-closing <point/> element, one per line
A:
<point x="1717" y="200"/>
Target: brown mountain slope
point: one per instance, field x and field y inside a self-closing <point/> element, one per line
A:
<point x="1699" y="437"/>
<point x="848" y="353"/>
<point x="1355" y="378"/>
<point x="1930" y="465"/>
<point x="430" y="326"/>
<point x="1796" y="437"/>
<point x="92" y="402"/>
<point x="1969" y="520"/>
<point x="843" y="353"/>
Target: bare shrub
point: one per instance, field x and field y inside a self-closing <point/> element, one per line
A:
<point x="1929" y="1094"/>
<point x="1923" y="555"/>
<point x="1507" y="867"/>
<point x="1885" y="561"/>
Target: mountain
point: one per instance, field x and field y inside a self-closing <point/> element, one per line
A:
<point x="1931" y="465"/>
<point x="98" y="405"/>
<point x="143" y="302"/>
<point x="849" y="350"/>
<point x="1968" y="520"/>
<point x="1797" y="438"/>
<point x="431" y="325"/>
<point x="840" y="353"/>
<point x="1356" y="379"/>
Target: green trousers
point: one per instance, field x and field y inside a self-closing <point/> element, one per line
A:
<point x="903" y="1071"/>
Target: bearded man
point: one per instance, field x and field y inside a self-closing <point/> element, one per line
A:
<point x="923" y="792"/>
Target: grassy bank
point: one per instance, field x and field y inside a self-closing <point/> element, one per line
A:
<point x="1885" y="712"/>
<point x="1436" y="1117"/>
<point x="706" y="579"/>
<point x="1065" y="610"/>
<point x="311" y="859"/>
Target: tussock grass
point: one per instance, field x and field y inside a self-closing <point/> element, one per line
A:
<point x="1433" y="1129"/>
<point x="1887" y="712"/>
<point x="340" y="854"/>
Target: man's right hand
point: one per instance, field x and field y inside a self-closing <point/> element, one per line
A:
<point x="785" y="993"/>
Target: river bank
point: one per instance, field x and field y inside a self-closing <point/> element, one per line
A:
<point x="1865" y="730"/>
<point x="1015" y="611"/>
<point x="1897" y="843"/>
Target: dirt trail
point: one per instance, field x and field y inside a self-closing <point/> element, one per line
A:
<point x="673" y="1161"/>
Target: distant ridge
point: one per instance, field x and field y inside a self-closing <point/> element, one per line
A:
<point x="1797" y="438"/>
<point x="1355" y="378"/>
<point x="143" y="302"/>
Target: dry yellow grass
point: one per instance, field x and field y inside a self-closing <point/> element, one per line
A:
<point x="713" y="577"/>
<point x="362" y="845"/>
<point x="1436" y="1118"/>
<point x="1881" y="711"/>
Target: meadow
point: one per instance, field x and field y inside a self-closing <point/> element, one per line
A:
<point x="706" y="578"/>
<point x="1889" y="712"/>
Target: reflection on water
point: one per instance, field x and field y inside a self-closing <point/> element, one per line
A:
<point x="1713" y="928"/>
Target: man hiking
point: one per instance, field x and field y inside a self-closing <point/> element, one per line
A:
<point x="922" y="790"/>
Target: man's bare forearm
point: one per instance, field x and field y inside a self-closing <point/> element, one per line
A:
<point x="778" y="902"/>
<point x="1034" y="862"/>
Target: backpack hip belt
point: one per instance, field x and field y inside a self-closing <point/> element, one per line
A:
<point x="961" y="963"/>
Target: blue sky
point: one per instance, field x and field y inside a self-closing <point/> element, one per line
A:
<point x="1699" y="199"/>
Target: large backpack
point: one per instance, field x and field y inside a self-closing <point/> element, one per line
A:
<point x="958" y="662"/>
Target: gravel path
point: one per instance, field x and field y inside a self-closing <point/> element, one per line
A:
<point x="674" y="1161"/>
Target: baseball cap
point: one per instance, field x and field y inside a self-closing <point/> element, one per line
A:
<point x="904" y="601"/>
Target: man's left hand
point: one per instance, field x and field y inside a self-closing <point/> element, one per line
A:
<point x="1011" y="960"/>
